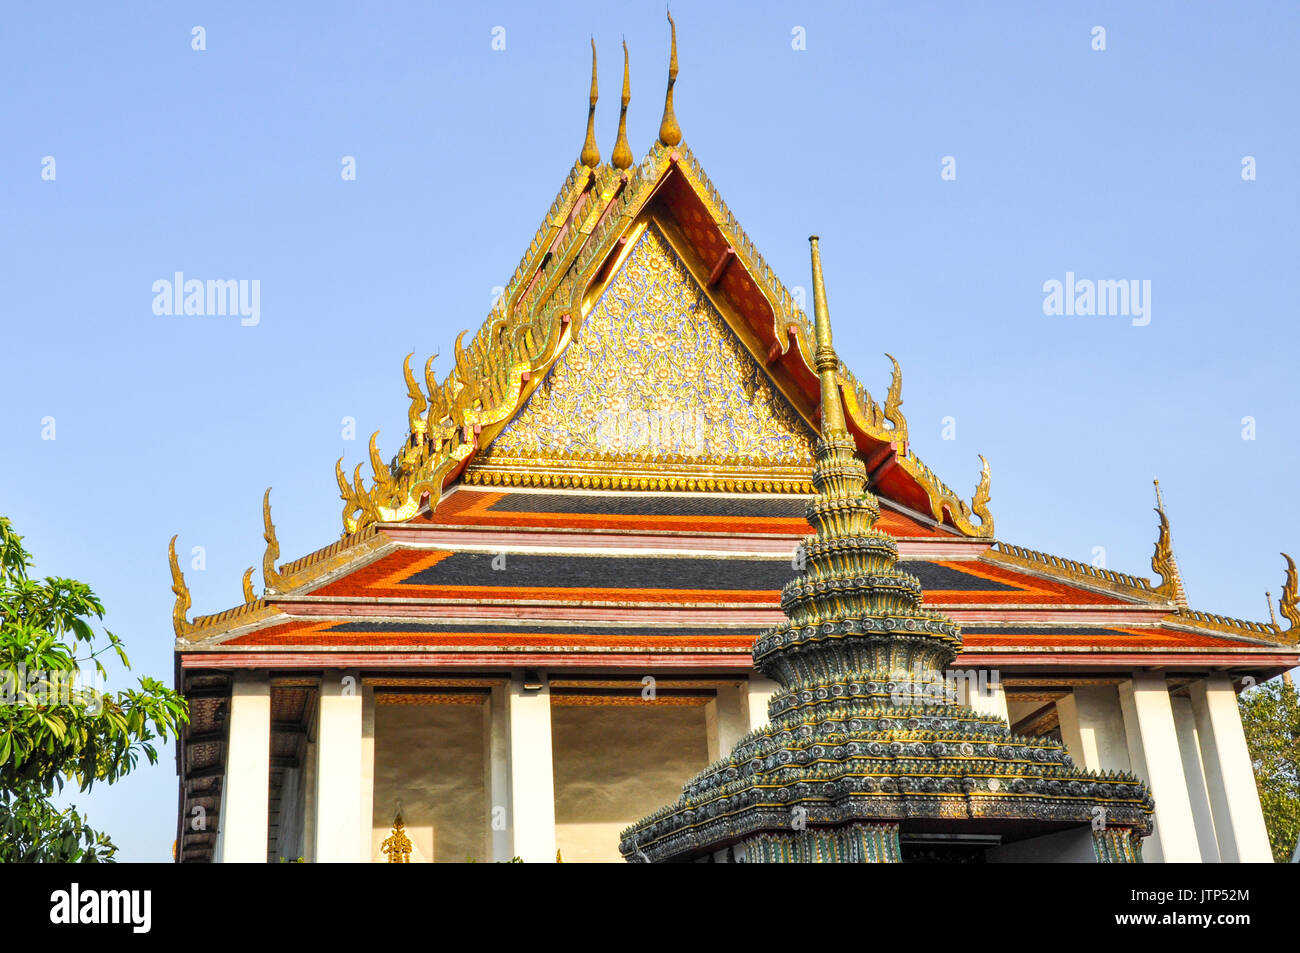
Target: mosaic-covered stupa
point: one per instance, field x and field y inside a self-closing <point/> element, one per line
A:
<point x="867" y="745"/>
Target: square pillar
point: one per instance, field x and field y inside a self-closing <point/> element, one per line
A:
<point x="1190" y="750"/>
<point x="985" y="696"/>
<point x="726" y="720"/>
<point x="338" y="769"/>
<point x="1092" y="727"/>
<point x="496" y="728"/>
<point x="1229" y="773"/>
<point x="309" y="799"/>
<point x="1155" y="758"/>
<point x="758" y="692"/>
<point x="245" y="795"/>
<point x="367" y="846"/>
<point x="532" y="775"/>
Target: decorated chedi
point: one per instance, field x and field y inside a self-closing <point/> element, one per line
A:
<point x="866" y="740"/>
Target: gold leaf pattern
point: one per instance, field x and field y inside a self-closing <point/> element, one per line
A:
<point x="656" y="373"/>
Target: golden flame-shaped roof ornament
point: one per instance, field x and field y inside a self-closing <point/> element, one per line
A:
<point x="415" y="412"/>
<point x="1162" y="560"/>
<point x="182" y="593"/>
<point x="270" y="575"/>
<point x="249" y="595"/>
<point x="622" y="155"/>
<point x="669" y="132"/>
<point x="1290" y="601"/>
<point x="590" y="156"/>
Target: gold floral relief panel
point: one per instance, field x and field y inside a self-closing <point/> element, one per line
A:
<point x="656" y="371"/>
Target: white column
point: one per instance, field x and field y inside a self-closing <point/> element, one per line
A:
<point x="247" y="789"/>
<point x="338" y="769"/>
<point x="497" y="731"/>
<point x="1230" y="777"/>
<point x="309" y="799"/>
<point x="1092" y="727"/>
<point x="1190" y="750"/>
<point x="367" y="845"/>
<point x="758" y="693"/>
<point x="1153" y="753"/>
<point x="532" y="777"/>
<point x="987" y="696"/>
<point x="726" y="720"/>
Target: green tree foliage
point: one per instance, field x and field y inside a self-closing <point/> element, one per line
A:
<point x="1270" y="714"/>
<point x="56" y="727"/>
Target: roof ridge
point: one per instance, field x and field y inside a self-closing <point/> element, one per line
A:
<point x="1189" y="616"/>
<point x="1138" y="583"/>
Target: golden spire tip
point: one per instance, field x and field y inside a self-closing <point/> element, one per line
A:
<point x="669" y="132"/>
<point x="824" y="358"/>
<point x="622" y="155"/>
<point x="590" y="156"/>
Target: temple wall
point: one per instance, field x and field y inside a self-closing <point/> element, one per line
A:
<point x="614" y="765"/>
<point x="431" y="757"/>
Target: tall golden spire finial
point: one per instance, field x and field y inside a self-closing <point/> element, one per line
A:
<point x="622" y="155"/>
<point x="270" y="575"/>
<point x="1163" y="562"/>
<point x="590" y="151"/>
<point x="669" y="132"/>
<point x="824" y="358"/>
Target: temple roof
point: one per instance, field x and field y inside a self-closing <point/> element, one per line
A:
<point x="645" y="386"/>
<point x="586" y="576"/>
<point x="581" y="249"/>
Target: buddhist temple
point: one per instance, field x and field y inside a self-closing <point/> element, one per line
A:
<point x="654" y="576"/>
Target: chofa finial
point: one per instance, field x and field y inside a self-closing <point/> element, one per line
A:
<point x="182" y="593"/>
<point x="622" y="155"/>
<point x="1290" y="601"/>
<point x="824" y="358"/>
<point x="270" y="575"/>
<point x="669" y="132"/>
<point x="1162" y="560"/>
<point x="590" y="156"/>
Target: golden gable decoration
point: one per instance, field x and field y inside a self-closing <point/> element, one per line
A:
<point x="595" y="215"/>
<point x="655" y="379"/>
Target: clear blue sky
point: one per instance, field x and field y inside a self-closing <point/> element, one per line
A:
<point x="225" y="163"/>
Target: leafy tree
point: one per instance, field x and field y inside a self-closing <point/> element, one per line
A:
<point x="54" y="727"/>
<point x="1270" y="714"/>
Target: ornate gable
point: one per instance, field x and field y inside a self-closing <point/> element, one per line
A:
<point x="656" y="381"/>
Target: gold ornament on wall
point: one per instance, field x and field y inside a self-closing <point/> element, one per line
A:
<point x="397" y="845"/>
